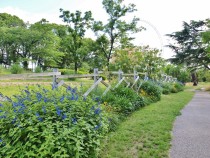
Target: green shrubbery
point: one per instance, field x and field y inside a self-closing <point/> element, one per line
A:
<point x="124" y="100"/>
<point x="38" y="69"/>
<point x="59" y="123"/>
<point x="51" y="123"/>
<point x="168" y="88"/>
<point x="16" y="69"/>
<point x="151" y="91"/>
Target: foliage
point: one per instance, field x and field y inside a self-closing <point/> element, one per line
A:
<point x="179" y="86"/>
<point x="177" y="71"/>
<point x="16" y="69"/>
<point x="189" y="47"/>
<point x="51" y="123"/>
<point x="117" y="30"/>
<point x="166" y="88"/>
<point x="123" y="100"/>
<point x="74" y="44"/>
<point x="7" y="20"/>
<point x="150" y="90"/>
<point x="38" y="69"/>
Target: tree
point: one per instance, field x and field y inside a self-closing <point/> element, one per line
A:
<point x="189" y="46"/>
<point x="116" y="33"/>
<point x="73" y="42"/>
<point x="178" y="71"/>
<point x="7" y="20"/>
<point x="46" y="50"/>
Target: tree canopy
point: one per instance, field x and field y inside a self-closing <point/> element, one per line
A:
<point x="192" y="44"/>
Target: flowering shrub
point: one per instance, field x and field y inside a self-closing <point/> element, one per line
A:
<point x="51" y="123"/>
<point x="151" y="91"/>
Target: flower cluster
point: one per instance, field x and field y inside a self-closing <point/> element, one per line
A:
<point x="56" y="115"/>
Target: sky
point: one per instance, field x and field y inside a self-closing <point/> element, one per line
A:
<point x="159" y="17"/>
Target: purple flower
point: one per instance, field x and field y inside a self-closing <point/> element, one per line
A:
<point x="1" y="104"/>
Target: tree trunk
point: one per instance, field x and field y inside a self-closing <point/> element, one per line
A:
<point x="75" y="67"/>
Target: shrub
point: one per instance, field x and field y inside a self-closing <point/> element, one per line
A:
<point x="51" y="123"/>
<point x="166" y="88"/>
<point x="16" y="69"/>
<point x="179" y="86"/>
<point x="38" y="69"/>
<point x="124" y="100"/>
<point x="151" y="91"/>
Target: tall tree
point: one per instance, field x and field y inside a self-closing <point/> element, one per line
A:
<point x="7" y="20"/>
<point x="116" y="32"/>
<point x="189" y="47"/>
<point x="78" y="23"/>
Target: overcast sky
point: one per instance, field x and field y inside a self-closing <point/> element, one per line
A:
<point x="160" y="17"/>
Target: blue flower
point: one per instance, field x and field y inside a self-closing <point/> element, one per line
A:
<point x="1" y="140"/>
<point x="97" y="111"/>
<point x="97" y="126"/>
<point x="1" y="111"/>
<point x="68" y="88"/>
<point x="58" y="111"/>
<point x="44" y="109"/>
<point x="37" y="114"/>
<point x="74" y="90"/>
<point x="3" y="116"/>
<point x="39" y="96"/>
<point x="62" y="99"/>
<point x="27" y="92"/>
<point x="72" y="97"/>
<point x="38" y="117"/>
<point x="1" y="104"/>
<point x="45" y="100"/>
<point x="74" y="120"/>
<point x="64" y="116"/>
<point x="93" y="108"/>
<point x="14" y="120"/>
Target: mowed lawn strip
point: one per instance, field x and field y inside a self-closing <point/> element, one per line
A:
<point x="147" y="132"/>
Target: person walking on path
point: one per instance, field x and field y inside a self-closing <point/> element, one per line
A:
<point x="191" y="132"/>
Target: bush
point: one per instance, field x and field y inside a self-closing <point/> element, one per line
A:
<point x="166" y="88"/>
<point x="151" y="91"/>
<point x="179" y="86"/>
<point x="124" y="100"/>
<point x="51" y="123"/>
<point x="38" y="69"/>
<point x="16" y="69"/>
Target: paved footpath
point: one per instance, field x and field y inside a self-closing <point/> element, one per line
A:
<point x="191" y="132"/>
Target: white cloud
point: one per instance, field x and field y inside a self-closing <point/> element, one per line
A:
<point x="31" y="17"/>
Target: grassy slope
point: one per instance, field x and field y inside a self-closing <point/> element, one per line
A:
<point x="146" y="133"/>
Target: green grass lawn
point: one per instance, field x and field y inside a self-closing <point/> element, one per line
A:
<point x="147" y="132"/>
